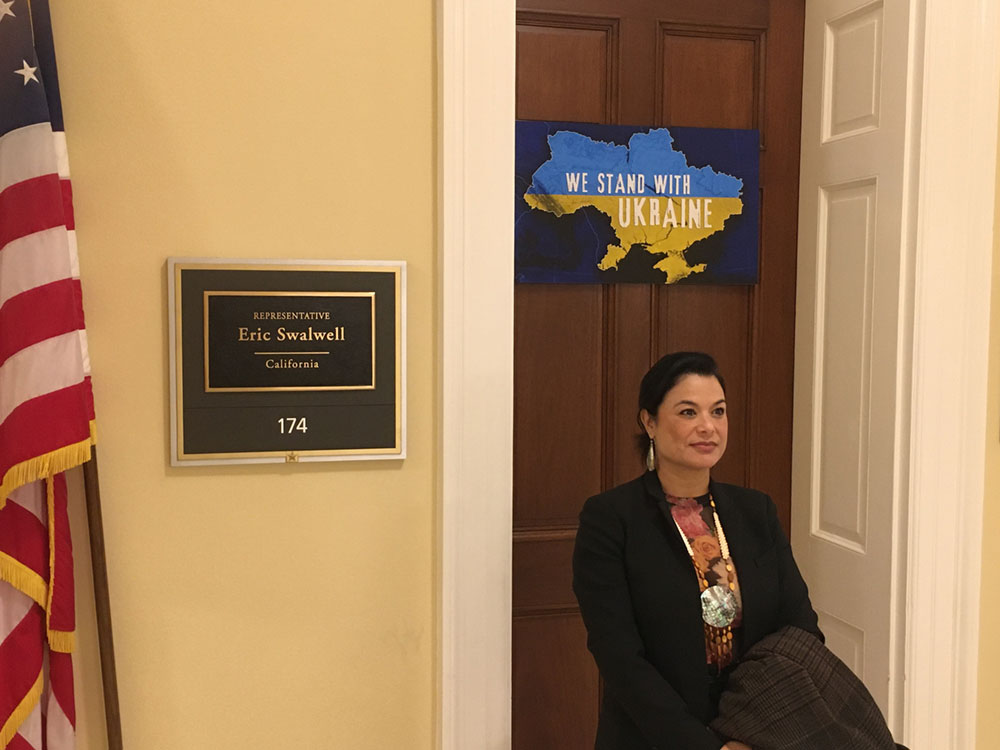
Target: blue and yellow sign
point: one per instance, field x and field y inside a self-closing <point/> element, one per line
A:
<point x="611" y="203"/>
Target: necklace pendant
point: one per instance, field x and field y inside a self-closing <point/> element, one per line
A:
<point x="718" y="606"/>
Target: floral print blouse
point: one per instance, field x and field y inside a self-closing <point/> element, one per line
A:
<point x="694" y="517"/>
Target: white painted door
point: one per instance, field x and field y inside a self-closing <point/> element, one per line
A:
<point x="852" y="332"/>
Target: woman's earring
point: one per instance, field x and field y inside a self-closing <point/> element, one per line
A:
<point x="651" y="457"/>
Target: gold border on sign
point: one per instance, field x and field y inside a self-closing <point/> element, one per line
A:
<point x="180" y="266"/>
<point x="206" y="294"/>
<point x="178" y="358"/>
<point x="399" y="360"/>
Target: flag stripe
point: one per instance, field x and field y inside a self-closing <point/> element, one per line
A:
<point x="74" y="256"/>
<point x="62" y="154"/>
<point x="19" y="743"/>
<point x="22" y="578"/>
<point x="26" y="718"/>
<point x="66" y="188"/>
<point x="85" y="354"/>
<point x="30" y="206"/>
<point x="24" y="538"/>
<point x="32" y="498"/>
<point x="13" y="607"/>
<point x="39" y="314"/>
<point x="61" y="682"/>
<point x="32" y="730"/>
<point x="64" y="414"/>
<point x="21" y="660"/>
<point x="34" y="260"/>
<point x="26" y="153"/>
<point x="61" y="607"/>
<point x="41" y="368"/>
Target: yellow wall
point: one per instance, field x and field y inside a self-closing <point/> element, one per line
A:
<point x="262" y="606"/>
<point x="989" y="645"/>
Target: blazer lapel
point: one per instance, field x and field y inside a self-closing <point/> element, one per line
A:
<point x="745" y="549"/>
<point x="665" y="520"/>
<point x="732" y="519"/>
<point x="679" y="576"/>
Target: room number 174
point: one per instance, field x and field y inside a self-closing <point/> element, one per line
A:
<point x="288" y="425"/>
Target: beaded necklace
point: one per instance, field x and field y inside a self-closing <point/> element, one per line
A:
<point x="718" y="603"/>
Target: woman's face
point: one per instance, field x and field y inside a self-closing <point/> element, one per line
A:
<point x="690" y="427"/>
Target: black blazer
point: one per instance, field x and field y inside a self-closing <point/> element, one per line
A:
<point x="639" y="598"/>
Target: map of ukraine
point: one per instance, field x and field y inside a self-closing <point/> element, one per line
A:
<point x="655" y="200"/>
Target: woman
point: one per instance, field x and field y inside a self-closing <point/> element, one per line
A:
<point x="677" y="574"/>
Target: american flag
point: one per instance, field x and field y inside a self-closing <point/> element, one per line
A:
<point x="46" y="405"/>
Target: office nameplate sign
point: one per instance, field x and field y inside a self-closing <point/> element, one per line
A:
<point x="286" y="360"/>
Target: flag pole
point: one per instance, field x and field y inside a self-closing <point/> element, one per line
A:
<point x="112" y="713"/>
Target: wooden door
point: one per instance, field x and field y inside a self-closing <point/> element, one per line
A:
<point x="580" y="350"/>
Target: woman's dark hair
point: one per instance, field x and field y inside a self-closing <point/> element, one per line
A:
<point x="663" y="376"/>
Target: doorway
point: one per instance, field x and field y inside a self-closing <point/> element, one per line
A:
<point x="476" y="297"/>
<point x="580" y="350"/>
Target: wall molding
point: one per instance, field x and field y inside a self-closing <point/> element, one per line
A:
<point x="957" y="68"/>
<point x="475" y="294"/>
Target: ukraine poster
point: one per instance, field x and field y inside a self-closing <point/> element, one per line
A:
<point x="615" y="203"/>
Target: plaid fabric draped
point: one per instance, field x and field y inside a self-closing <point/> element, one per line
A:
<point x="790" y="692"/>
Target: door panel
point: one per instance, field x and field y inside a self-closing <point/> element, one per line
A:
<point x="560" y="327"/>
<point x="566" y="67"/>
<point x="556" y="713"/>
<point x="580" y="351"/>
<point x="550" y="551"/>
<point x="630" y="325"/>
<point x="850" y="439"/>
<point x="720" y="95"/>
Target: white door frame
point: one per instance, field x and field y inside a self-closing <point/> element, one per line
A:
<point x="956" y="91"/>
<point x="952" y="223"/>
<point x="475" y="295"/>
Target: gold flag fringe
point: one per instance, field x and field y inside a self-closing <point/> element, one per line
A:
<point x="28" y="581"/>
<point x="63" y="641"/>
<point x="46" y="465"/>
<point x="21" y="712"/>
<point x="24" y="579"/>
